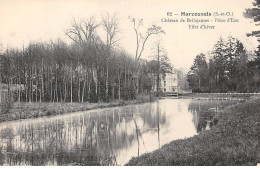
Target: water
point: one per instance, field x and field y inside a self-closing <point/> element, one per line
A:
<point x="109" y="136"/>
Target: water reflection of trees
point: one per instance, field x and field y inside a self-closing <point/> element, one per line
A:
<point x="201" y="113"/>
<point x="86" y="139"/>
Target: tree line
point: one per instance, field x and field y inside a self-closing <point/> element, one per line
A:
<point x="229" y="67"/>
<point x="90" y="69"/>
<point x="60" y="72"/>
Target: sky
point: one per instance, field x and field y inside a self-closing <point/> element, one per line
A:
<point x="44" y="20"/>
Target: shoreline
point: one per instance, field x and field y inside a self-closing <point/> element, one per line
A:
<point x="227" y="143"/>
<point x="24" y="110"/>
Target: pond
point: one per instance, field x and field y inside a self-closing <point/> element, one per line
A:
<point x="110" y="136"/>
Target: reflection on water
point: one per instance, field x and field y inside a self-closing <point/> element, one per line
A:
<point x="103" y="137"/>
<point x="206" y="112"/>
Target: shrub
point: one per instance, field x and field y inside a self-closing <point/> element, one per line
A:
<point x="6" y="105"/>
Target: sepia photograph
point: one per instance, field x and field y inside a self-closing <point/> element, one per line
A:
<point x="129" y="83"/>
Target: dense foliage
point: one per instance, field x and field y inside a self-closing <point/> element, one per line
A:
<point x="254" y="13"/>
<point x="229" y="68"/>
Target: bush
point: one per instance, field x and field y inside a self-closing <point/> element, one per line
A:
<point x="129" y="92"/>
<point x="7" y="105"/>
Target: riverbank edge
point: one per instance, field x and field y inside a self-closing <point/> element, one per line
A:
<point x="21" y="111"/>
<point x="232" y="142"/>
<point x="25" y="110"/>
<point x="219" y="95"/>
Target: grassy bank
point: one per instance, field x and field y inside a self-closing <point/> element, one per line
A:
<point x="233" y="141"/>
<point x="19" y="111"/>
<point x="219" y="95"/>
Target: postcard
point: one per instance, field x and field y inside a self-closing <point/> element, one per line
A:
<point x="129" y="82"/>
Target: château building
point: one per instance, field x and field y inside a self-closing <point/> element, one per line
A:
<point x="168" y="82"/>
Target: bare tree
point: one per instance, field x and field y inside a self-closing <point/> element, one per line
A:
<point x="141" y="39"/>
<point x="84" y="34"/>
<point x="111" y="26"/>
<point x="82" y="31"/>
<point x="160" y="63"/>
